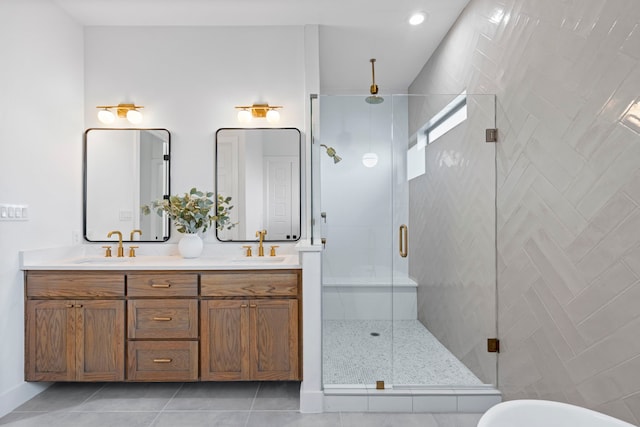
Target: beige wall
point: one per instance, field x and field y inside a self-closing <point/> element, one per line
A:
<point x="568" y="177"/>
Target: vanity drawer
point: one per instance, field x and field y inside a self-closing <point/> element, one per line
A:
<point x="163" y="319"/>
<point x="162" y="285"/>
<point x="276" y="283"/>
<point x="162" y="361"/>
<point x="48" y="284"/>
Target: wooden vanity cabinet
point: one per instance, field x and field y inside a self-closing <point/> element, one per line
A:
<point x="74" y="325"/>
<point x="175" y="325"/>
<point x="249" y="326"/>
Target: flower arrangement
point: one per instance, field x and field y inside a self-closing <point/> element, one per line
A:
<point x="191" y="212"/>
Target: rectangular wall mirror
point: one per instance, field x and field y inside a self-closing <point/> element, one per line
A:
<point x="125" y="169"/>
<point x="259" y="169"/>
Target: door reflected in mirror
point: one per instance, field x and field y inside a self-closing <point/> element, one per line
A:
<point x="125" y="169"/>
<point x="259" y="169"/>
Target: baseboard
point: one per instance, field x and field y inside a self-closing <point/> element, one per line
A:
<point x="311" y="402"/>
<point x="15" y="397"/>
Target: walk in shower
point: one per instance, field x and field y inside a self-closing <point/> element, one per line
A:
<point x="403" y="200"/>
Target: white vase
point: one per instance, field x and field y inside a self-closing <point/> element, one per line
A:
<point x="190" y="246"/>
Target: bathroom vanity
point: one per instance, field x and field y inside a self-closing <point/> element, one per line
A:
<point x="134" y="322"/>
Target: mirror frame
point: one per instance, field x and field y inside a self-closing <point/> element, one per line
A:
<point x="125" y="239"/>
<point x="299" y="147"/>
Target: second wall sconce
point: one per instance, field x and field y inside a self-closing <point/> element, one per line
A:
<point x="130" y="111"/>
<point x="259" y="111"/>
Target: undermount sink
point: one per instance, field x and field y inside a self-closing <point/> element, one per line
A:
<point x="259" y="259"/>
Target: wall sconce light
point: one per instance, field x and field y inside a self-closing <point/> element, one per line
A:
<point x="130" y="111"/>
<point x="260" y="111"/>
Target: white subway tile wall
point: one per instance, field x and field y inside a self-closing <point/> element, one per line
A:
<point x="566" y="73"/>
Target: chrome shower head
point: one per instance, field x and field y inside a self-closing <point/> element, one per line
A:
<point x="331" y="152"/>
<point x="374" y="98"/>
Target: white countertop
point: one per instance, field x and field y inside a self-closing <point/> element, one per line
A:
<point x="90" y="257"/>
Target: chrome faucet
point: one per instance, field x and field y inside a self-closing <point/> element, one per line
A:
<point x="260" y="234"/>
<point x="120" y="247"/>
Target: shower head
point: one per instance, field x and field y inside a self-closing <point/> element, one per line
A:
<point x="374" y="98"/>
<point x="331" y="152"/>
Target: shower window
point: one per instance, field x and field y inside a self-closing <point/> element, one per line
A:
<point x="448" y="118"/>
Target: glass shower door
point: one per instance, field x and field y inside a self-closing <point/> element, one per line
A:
<point x="444" y="283"/>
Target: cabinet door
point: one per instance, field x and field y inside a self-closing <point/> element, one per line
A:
<point x="100" y="340"/>
<point x="50" y="341"/>
<point x="274" y="339"/>
<point x="224" y="340"/>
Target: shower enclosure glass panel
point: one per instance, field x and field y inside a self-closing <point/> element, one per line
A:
<point x="408" y="270"/>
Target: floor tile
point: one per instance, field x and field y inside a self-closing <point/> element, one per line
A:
<point x="228" y="396"/>
<point x="278" y="395"/>
<point x="34" y="419"/>
<point x="109" y="419"/>
<point x="292" y="418"/>
<point x="131" y="397"/>
<point x="387" y="420"/>
<point x="61" y="396"/>
<point x="457" y="420"/>
<point x="201" y="419"/>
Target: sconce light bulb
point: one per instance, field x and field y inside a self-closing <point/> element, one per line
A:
<point x="105" y="116"/>
<point x="244" y="116"/>
<point x="370" y="159"/>
<point x="273" y="116"/>
<point x="134" y="116"/>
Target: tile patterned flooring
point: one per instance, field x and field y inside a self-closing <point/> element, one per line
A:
<point x="400" y="352"/>
<point x="245" y="404"/>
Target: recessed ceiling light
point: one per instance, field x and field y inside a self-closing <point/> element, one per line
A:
<point x="417" y="18"/>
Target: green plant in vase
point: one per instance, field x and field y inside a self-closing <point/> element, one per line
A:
<point x="193" y="212"/>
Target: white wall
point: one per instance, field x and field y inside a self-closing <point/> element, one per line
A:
<point x="565" y="75"/>
<point x="54" y="74"/>
<point x="41" y="124"/>
<point x="190" y="78"/>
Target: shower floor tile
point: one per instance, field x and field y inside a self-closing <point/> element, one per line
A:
<point x="365" y="351"/>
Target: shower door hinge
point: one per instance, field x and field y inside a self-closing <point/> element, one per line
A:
<point x="491" y="135"/>
<point x="493" y="345"/>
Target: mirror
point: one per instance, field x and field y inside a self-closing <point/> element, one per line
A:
<point x="125" y="169"/>
<point x="260" y="170"/>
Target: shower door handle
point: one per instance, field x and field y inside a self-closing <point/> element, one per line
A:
<point x="403" y="241"/>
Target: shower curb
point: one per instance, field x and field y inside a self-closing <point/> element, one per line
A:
<point x="404" y="399"/>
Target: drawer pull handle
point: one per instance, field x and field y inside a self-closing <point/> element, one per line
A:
<point x="161" y="285"/>
<point x="253" y="306"/>
<point x="78" y="305"/>
<point x="162" y="319"/>
<point x="69" y="305"/>
<point x="243" y="305"/>
<point x="162" y="360"/>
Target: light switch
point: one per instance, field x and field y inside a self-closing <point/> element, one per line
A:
<point x="9" y="212"/>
